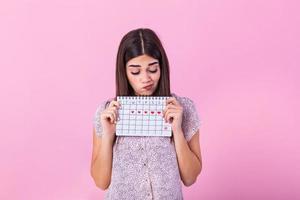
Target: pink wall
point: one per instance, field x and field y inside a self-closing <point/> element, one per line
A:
<point x="238" y="60"/>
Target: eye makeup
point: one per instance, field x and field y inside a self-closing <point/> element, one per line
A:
<point x="152" y="70"/>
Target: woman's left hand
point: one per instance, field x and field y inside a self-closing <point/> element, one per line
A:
<point x="173" y="113"/>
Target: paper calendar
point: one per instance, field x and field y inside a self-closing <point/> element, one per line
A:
<point x="142" y="116"/>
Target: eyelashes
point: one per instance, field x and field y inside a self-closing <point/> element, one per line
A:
<point x="151" y="71"/>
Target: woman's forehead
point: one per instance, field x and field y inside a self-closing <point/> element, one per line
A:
<point x="142" y="60"/>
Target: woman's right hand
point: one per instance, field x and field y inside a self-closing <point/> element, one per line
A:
<point x="109" y="118"/>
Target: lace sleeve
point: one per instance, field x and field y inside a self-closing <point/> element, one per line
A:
<point x="96" y="119"/>
<point x="190" y="121"/>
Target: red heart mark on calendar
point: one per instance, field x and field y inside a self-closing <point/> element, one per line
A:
<point x="146" y="112"/>
<point x="158" y="112"/>
<point x="152" y="112"/>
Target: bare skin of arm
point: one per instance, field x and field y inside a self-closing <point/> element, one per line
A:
<point x="101" y="163"/>
<point x="188" y="153"/>
<point x="189" y="157"/>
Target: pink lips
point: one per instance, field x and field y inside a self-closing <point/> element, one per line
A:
<point x="148" y="87"/>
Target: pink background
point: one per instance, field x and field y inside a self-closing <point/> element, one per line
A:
<point x="238" y="60"/>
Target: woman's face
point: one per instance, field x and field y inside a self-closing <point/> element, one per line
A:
<point x="143" y="74"/>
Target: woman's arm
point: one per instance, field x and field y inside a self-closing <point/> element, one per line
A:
<point x="188" y="153"/>
<point x="101" y="165"/>
<point x="188" y="156"/>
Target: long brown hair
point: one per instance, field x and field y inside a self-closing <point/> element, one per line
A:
<point x="135" y="43"/>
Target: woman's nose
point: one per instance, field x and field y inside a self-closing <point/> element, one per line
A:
<point x="145" y="77"/>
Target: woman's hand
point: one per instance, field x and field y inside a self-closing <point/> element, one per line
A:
<point x="109" y="119"/>
<point x="173" y="113"/>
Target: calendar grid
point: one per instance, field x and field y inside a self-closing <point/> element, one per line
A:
<point x="142" y="116"/>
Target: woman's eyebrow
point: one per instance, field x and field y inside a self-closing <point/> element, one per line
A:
<point x="134" y="65"/>
<point x="153" y="63"/>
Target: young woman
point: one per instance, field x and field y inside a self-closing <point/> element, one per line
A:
<point x="135" y="167"/>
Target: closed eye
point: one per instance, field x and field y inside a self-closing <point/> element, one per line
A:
<point x="153" y="71"/>
<point x="135" y="73"/>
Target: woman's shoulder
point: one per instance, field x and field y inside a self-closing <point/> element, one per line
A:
<point x="191" y="120"/>
<point x="184" y="100"/>
<point x="105" y="102"/>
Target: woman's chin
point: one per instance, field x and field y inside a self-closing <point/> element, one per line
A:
<point x="145" y="93"/>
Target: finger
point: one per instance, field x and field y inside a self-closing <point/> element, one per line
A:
<point x="172" y="100"/>
<point x="114" y="103"/>
<point x="170" y="112"/>
<point x="107" y="116"/>
<point x="112" y="112"/>
<point x="170" y="116"/>
<point x="169" y="106"/>
<point x="115" y="110"/>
